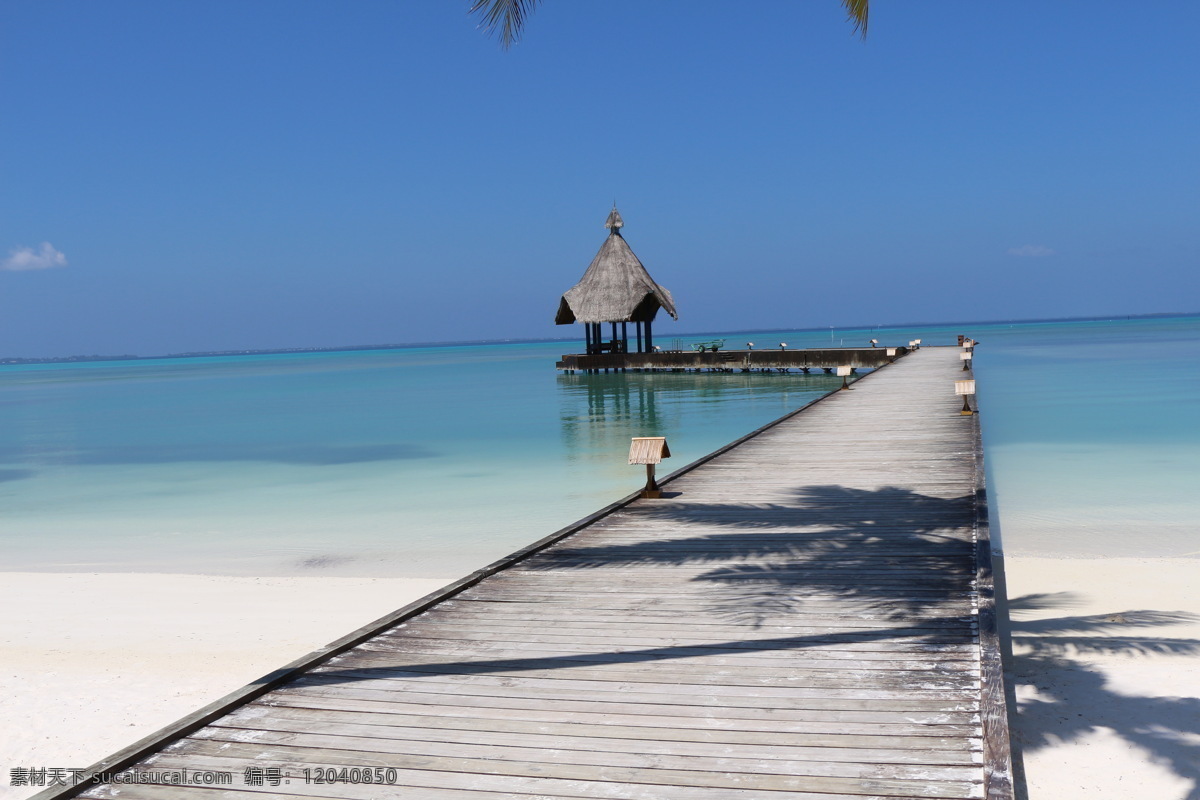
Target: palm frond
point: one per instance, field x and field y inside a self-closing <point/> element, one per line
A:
<point x="505" y="18"/>
<point x="856" y="12"/>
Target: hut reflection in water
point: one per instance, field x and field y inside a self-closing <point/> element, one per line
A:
<point x="600" y="412"/>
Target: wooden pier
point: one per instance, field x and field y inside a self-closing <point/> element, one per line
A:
<point x="806" y="614"/>
<point x="765" y="360"/>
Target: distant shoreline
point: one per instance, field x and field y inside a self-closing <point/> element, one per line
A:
<point x="79" y="359"/>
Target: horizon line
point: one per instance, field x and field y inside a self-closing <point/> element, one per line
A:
<point x="21" y="360"/>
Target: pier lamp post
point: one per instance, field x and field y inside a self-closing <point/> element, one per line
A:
<point x="966" y="389"/>
<point x="874" y="342"/>
<point x="966" y="356"/>
<point x="844" y="374"/>
<point x="891" y="355"/>
<point x="783" y="345"/>
<point x="749" y="345"/>
<point x="917" y="343"/>
<point x="649" y="450"/>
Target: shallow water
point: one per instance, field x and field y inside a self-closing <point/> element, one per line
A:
<point x="410" y="462"/>
<point x="434" y="461"/>
<point x="1092" y="436"/>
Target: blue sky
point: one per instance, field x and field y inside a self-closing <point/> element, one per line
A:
<point x="224" y="175"/>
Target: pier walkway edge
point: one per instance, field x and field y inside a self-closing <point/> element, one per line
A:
<point x="809" y="612"/>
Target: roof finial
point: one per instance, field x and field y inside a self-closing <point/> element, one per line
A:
<point x="614" y="220"/>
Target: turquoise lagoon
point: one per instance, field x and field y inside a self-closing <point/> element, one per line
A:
<point x="429" y="462"/>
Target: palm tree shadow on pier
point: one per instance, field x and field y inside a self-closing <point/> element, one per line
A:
<point x="901" y="557"/>
<point x="897" y="553"/>
<point x="1074" y="697"/>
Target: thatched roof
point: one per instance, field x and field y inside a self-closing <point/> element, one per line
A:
<point x="648" y="450"/>
<point x="616" y="287"/>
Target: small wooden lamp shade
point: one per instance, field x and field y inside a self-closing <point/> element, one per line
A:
<point x="843" y="372"/>
<point x="966" y="389"/>
<point x="649" y="450"/>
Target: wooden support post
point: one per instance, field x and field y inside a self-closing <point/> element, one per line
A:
<point x="651" y="490"/>
<point x="649" y="450"/>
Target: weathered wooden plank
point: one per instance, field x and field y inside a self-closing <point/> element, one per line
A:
<point x="668" y="685"/>
<point x="797" y="637"/>
<point x="475" y="662"/>
<point x="711" y="605"/>
<point x="622" y="606"/>
<point x="586" y="596"/>
<point x="701" y="623"/>
<point x="794" y="636"/>
<point x="696" y="656"/>
<point x="646" y="728"/>
<point x="916" y="709"/>
<point x="855" y="595"/>
<point x="829" y="646"/>
<point x="416" y="665"/>
<point x="746" y="534"/>
<point x="742" y="518"/>
<point x="799" y="617"/>
<point x="354" y="697"/>
<point x="411" y="784"/>
<point x="645" y="753"/>
<point x="317" y="757"/>
<point x="856" y="583"/>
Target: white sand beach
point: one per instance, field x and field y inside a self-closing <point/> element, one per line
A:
<point x="1107" y="674"/>
<point x="90" y="663"/>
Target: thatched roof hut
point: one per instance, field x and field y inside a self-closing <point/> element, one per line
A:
<point x="615" y="288"/>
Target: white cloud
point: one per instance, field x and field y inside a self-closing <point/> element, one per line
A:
<point x="44" y="257"/>
<point x="1031" y="251"/>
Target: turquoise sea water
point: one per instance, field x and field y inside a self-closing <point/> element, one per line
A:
<point x="434" y="461"/>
